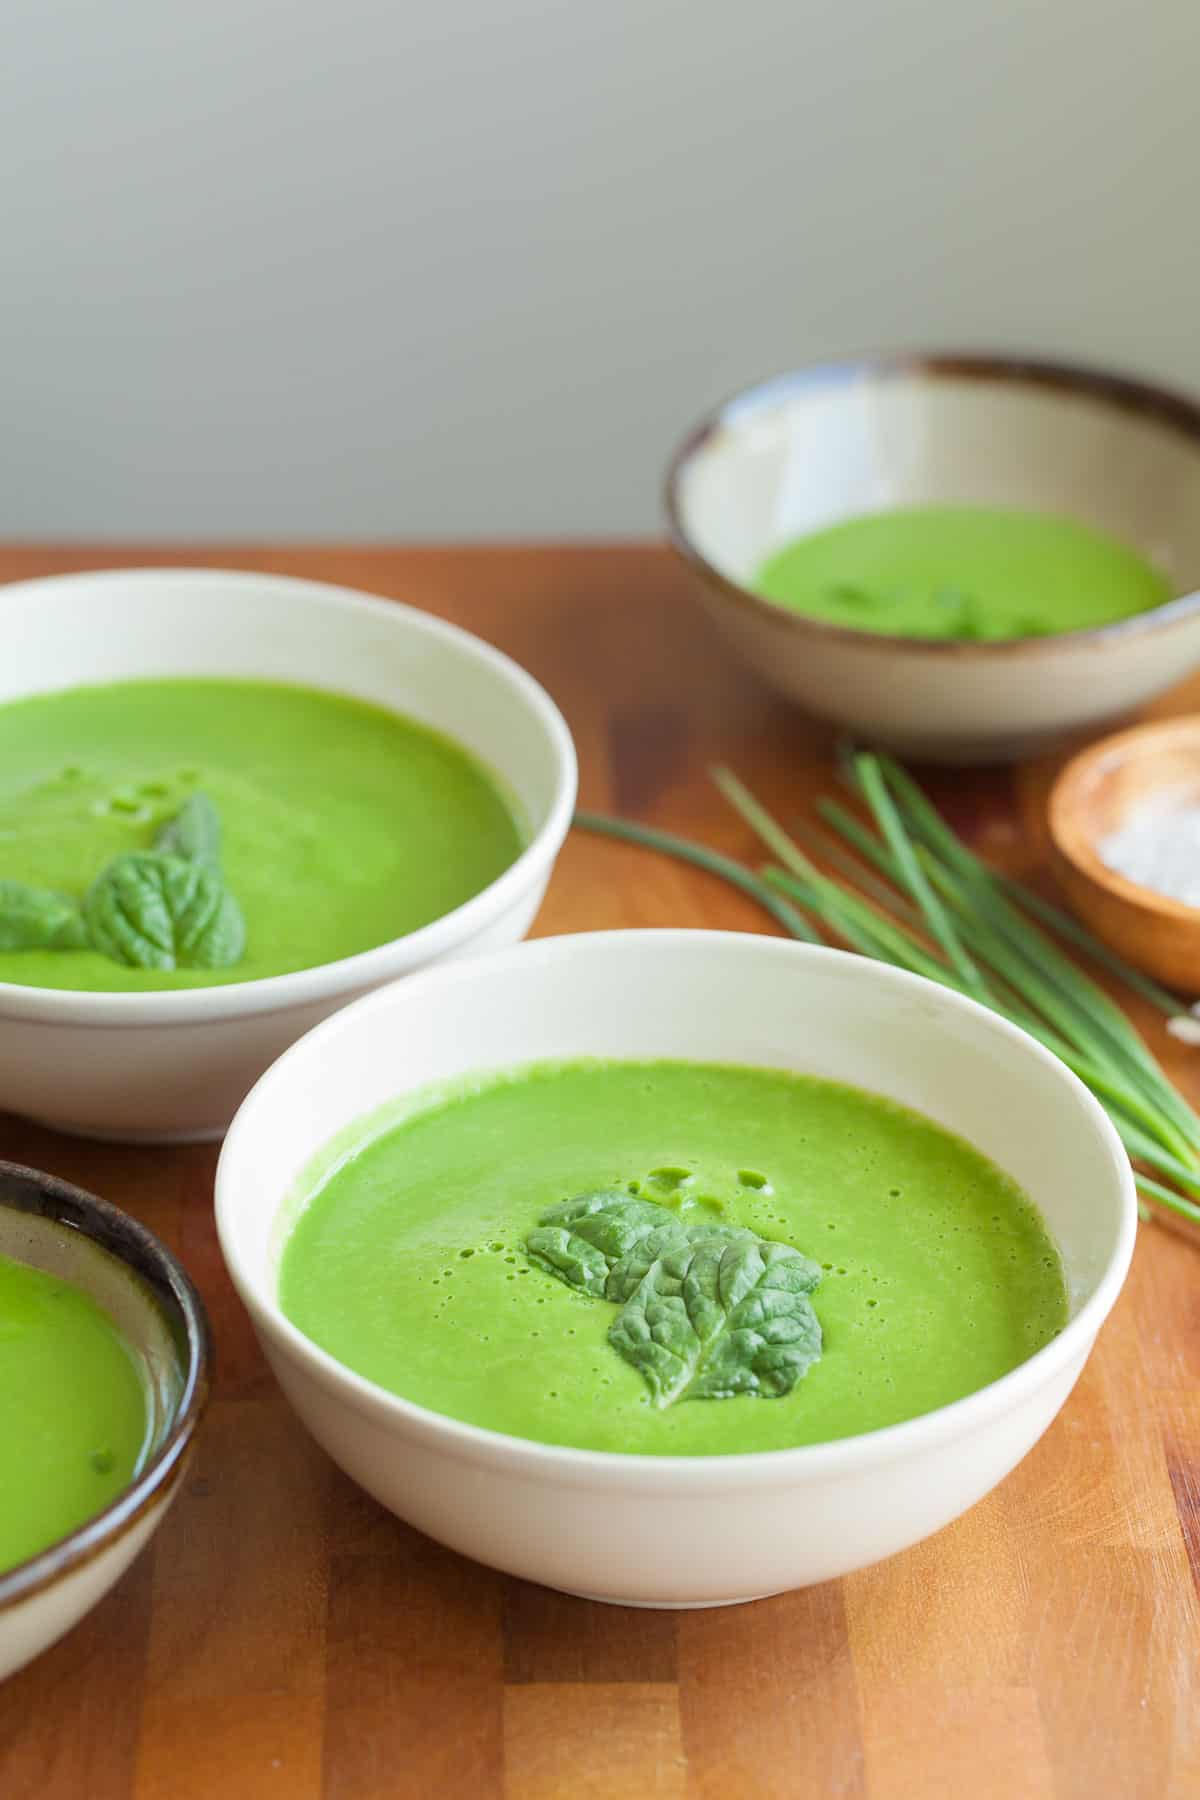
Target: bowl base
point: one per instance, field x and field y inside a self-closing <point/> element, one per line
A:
<point x="202" y="1134"/>
<point x="669" y="1605"/>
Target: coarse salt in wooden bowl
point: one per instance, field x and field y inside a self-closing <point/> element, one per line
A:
<point x="1151" y="768"/>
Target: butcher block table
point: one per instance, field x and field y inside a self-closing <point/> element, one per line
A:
<point x="285" y="1637"/>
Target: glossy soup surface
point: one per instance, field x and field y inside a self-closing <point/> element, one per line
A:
<point x="73" y="1411"/>
<point x="343" y="825"/>
<point x="408" y="1264"/>
<point x="964" y="572"/>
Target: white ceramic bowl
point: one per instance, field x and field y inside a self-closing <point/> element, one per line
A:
<point x="52" y="1226"/>
<point x="173" y="1065"/>
<point x="827" y="442"/>
<point x="687" y="1531"/>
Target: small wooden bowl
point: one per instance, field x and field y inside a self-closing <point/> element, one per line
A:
<point x="1093" y="797"/>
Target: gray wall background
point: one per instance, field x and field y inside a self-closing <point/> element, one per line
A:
<point x="325" y="268"/>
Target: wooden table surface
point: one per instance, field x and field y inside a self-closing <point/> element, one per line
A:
<point x="285" y="1637"/>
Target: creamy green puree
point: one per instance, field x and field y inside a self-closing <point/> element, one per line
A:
<point x="73" y="1412"/>
<point x="962" y="572"/>
<point x="343" y="825"/>
<point x="409" y="1265"/>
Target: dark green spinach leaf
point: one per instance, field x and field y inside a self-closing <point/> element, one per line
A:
<point x="707" y="1311"/>
<point x="156" y="911"/>
<point x="194" y="833"/>
<point x="583" y="1240"/>
<point x="721" y="1316"/>
<point x="33" y="918"/>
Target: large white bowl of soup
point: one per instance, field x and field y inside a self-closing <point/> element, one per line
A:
<point x="231" y="802"/>
<point x="964" y="558"/>
<point x="674" y="1268"/>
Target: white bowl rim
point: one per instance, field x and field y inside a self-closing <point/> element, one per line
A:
<point x="1170" y="407"/>
<point x="567" y="1465"/>
<point x="212" y="1005"/>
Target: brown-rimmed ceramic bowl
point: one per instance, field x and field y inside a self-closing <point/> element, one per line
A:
<point x="1154" y="767"/>
<point x="96" y="1247"/>
<point x="839" y="439"/>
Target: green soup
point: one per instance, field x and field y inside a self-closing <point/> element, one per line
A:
<point x="73" y="1410"/>
<point x="409" y="1265"/>
<point x="343" y="825"/>
<point x="962" y="572"/>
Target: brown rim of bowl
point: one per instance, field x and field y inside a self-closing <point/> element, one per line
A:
<point x="1176" y="411"/>
<point x="171" y="1288"/>
<point x="1086" y="859"/>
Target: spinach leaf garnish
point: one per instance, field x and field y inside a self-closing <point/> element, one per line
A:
<point x="719" y="1317"/>
<point x="707" y="1311"/>
<point x="587" y="1240"/>
<point x="194" y="832"/>
<point x="33" y="918"/>
<point x="163" y="908"/>
<point x="155" y="911"/>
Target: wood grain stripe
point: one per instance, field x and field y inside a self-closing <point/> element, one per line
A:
<point x="768" y="1699"/>
<point x="593" y="1741"/>
<point x="1185" y="1485"/>
<point x="239" y="1618"/>
<point x="1112" y="1637"/>
<point x="951" y="1610"/>
<point x="241" y="1373"/>
<point x="930" y="1742"/>
<point x="1166" y="1303"/>
<point x="649" y="752"/>
<point x="1180" y="1415"/>
<point x="414" y="1660"/>
<point x="85" y="1694"/>
<point x="550" y="1637"/>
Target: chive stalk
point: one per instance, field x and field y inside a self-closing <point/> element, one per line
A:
<point x="1117" y="1045"/>
<point x="650" y="838"/>
<point x="912" y="873"/>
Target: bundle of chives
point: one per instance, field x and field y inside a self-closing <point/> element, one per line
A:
<point x="912" y="894"/>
